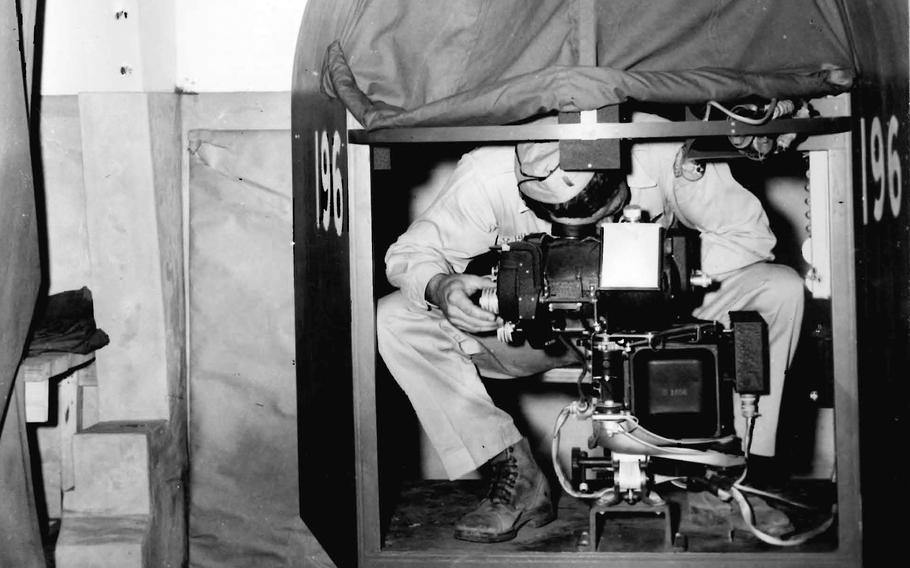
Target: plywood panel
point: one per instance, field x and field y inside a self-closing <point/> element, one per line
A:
<point x="242" y="392"/>
<point x="122" y="176"/>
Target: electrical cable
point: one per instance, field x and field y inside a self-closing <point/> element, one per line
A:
<point x="746" y="512"/>
<point x="584" y="366"/>
<point x="769" y="113"/>
<point x="774" y="496"/>
<point x="735" y="492"/>
<point x="671" y="449"/>
<point x="663" y="449"/>
<point x="749" y="411"/>
<point x="747" y="443"/>
<point x="689" y="441"/>
<point x="572" y="408"/>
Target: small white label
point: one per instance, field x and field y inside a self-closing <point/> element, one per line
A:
<point x="630" y="256"/>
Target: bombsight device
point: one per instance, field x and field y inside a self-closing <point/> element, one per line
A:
<point x="655" y="382"/>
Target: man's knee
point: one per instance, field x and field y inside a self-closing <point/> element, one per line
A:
<point x="785" y="287"/>
<point x="398" y="321"/>
<point x="389" y="312"/>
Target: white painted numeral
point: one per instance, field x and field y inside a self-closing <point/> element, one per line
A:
<point x="884" y="163"/>
<point x="329" y="183"/>
<point x="895" y="187"/>
<point x="877" y="165"/>
<point x="337" y="186"/>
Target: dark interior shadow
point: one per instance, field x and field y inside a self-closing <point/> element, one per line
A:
<point x="810" y="380"/>
<point x="398" y="430"/>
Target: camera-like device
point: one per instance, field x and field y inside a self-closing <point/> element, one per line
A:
<point x="655" y="382"/>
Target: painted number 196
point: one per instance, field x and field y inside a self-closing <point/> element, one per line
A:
<point x="881" y="157"/>
<point x="329" y="183"/>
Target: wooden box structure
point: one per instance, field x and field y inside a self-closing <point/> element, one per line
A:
<point x="830" y="159"/>
<point x="336" y="206"/>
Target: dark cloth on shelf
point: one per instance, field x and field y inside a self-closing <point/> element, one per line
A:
<point x="65" y="322"/>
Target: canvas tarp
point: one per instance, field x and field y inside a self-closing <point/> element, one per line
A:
<point x="431" y="63"/>
<point x="20" y="279"/>
<point x="243" y="495"/>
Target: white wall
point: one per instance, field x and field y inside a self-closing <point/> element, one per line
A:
<point x="190" y="45"/>
<point x="108" y="45"/>
<point x="160" y="45"/>
<point x="236" y="45"/>
<point x="122" y="55"/>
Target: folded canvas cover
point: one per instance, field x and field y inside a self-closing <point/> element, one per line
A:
<point x="471" y="62"/>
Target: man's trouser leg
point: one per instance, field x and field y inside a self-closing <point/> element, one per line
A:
<point x="437" y="367"/>
<point x="776" y="292"/>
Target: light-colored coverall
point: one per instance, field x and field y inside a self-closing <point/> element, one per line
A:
<point x="439" y="366"/>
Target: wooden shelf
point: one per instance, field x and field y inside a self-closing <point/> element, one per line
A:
<point x="35" y="374"/>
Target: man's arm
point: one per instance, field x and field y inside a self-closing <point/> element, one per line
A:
<point x="452" y="293"/>
<point x="734" y="227"/>
<point x="426" y="262"/>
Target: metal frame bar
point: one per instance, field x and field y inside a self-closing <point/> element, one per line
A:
<point x="819" y="218"/>
<point x="842" y="264"/>
<point x="363" y="346"/>
<point x="598" y="131"/>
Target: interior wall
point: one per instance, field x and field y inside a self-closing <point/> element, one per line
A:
<point x="236" y="45"/>
<point x="133" y="204"/>
<point x="104" y="45"/>
<point x="132" y="46"/>
<point x="163" y="45"/>
<point x="242" y="345"/>
<point x="64" y="194"/>
<point x="264" y="508"/>
<point x="241" y="382"/>
<point x="98" y="51"/>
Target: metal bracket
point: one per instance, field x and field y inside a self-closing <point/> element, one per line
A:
<point x="649" y="505"/>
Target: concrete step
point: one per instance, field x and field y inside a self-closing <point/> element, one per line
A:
<point x="126" y="505"/>
<point x="103" y="542"/>
<point x="111" y="473"/>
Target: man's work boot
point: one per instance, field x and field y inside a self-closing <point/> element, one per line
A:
<point x="708" y="510"/>
<point x="519" y="494"/>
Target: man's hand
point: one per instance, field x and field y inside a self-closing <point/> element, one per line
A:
<point x="452" y="293"/>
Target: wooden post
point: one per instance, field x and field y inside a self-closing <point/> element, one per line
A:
<point x="589" y="154"/>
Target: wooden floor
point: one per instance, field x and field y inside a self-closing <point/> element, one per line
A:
<point x="427" y="511"/>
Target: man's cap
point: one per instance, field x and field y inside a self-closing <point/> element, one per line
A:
<point x="541" y="178"/>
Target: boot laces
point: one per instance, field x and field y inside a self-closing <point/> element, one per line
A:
<point x="505" y="476"/>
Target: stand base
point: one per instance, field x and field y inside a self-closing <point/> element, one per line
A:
<point x="613" y="506"/>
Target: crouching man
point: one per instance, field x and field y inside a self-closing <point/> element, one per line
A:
<point x="438" y="344"/>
